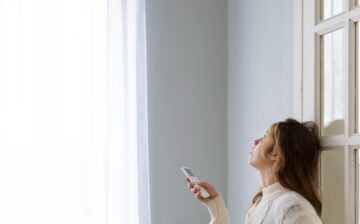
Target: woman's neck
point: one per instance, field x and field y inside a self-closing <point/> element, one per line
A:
<point x="267" y="177"/>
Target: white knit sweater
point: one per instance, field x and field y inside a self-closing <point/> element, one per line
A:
<point x="278" y="205"/>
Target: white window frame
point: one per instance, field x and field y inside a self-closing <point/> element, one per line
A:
<point x="307" y="31"/>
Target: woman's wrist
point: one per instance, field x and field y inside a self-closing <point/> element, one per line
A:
<point x="216" y="206"/>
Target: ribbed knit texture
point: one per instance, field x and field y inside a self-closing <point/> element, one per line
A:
<point x="278" y="205"/>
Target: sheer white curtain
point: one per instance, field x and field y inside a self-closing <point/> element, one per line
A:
<point x="73" y="141"/>
<point x="129" y="191"/>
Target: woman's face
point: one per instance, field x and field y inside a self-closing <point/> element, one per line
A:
<point x="260" y="154"/>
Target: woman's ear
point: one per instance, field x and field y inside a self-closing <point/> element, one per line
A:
<point x="274" y="156"/>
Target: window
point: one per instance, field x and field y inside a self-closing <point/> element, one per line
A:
<point x="327" y="83"/>
<point x="330" y="8"/>
<point x="332" y="82"/>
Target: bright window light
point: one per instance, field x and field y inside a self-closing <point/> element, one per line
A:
<point x="73" y="124"/>
<point x="53" y="111"/>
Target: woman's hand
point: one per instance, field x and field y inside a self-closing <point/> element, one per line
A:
<point x="196" y="190"/>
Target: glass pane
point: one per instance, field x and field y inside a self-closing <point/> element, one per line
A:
<point x="332" y="186"/>
<point x="332" y="81"/>
<point x="330" y="8"/>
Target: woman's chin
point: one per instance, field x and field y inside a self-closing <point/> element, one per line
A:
<point x="250" y="161"/>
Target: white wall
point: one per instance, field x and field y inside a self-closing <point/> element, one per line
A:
<point x="188" y="87"/>
<point x="260" y="86"/>
<point x="187" y="66"/>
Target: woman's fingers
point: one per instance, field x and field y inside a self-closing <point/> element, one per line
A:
<point x="191" y="184"/>
<point x="196" y="190"/>
<point x="199" y="197"/>
<point x="209" y="188"/>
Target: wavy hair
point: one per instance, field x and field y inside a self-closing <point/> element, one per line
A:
<point x="298" y="147"/>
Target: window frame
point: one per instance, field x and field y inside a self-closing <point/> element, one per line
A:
<point x="308" y="29"/>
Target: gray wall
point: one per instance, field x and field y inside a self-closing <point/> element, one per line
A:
<point x="260" y="86"/>
<point x="187" y="92"/>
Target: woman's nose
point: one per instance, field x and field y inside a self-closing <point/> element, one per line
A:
<point x="256" y="141"/>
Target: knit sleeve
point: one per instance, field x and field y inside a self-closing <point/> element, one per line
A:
<point x="218" y="211"/>
<point x="297" y="214"/>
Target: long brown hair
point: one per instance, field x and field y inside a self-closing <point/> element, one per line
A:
<point x="298" y="147"/>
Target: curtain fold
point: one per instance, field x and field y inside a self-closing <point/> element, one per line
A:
<point x="142" y="112"/>
<point x="127" y="68"/>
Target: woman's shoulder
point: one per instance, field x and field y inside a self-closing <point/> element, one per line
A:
<point x="289" y="198"/>
<point x="292" y="205"/>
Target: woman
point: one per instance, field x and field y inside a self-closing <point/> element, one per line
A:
<point x="287" y="160"/>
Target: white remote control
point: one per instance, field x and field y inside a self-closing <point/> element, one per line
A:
<point x="187" y="171"/>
